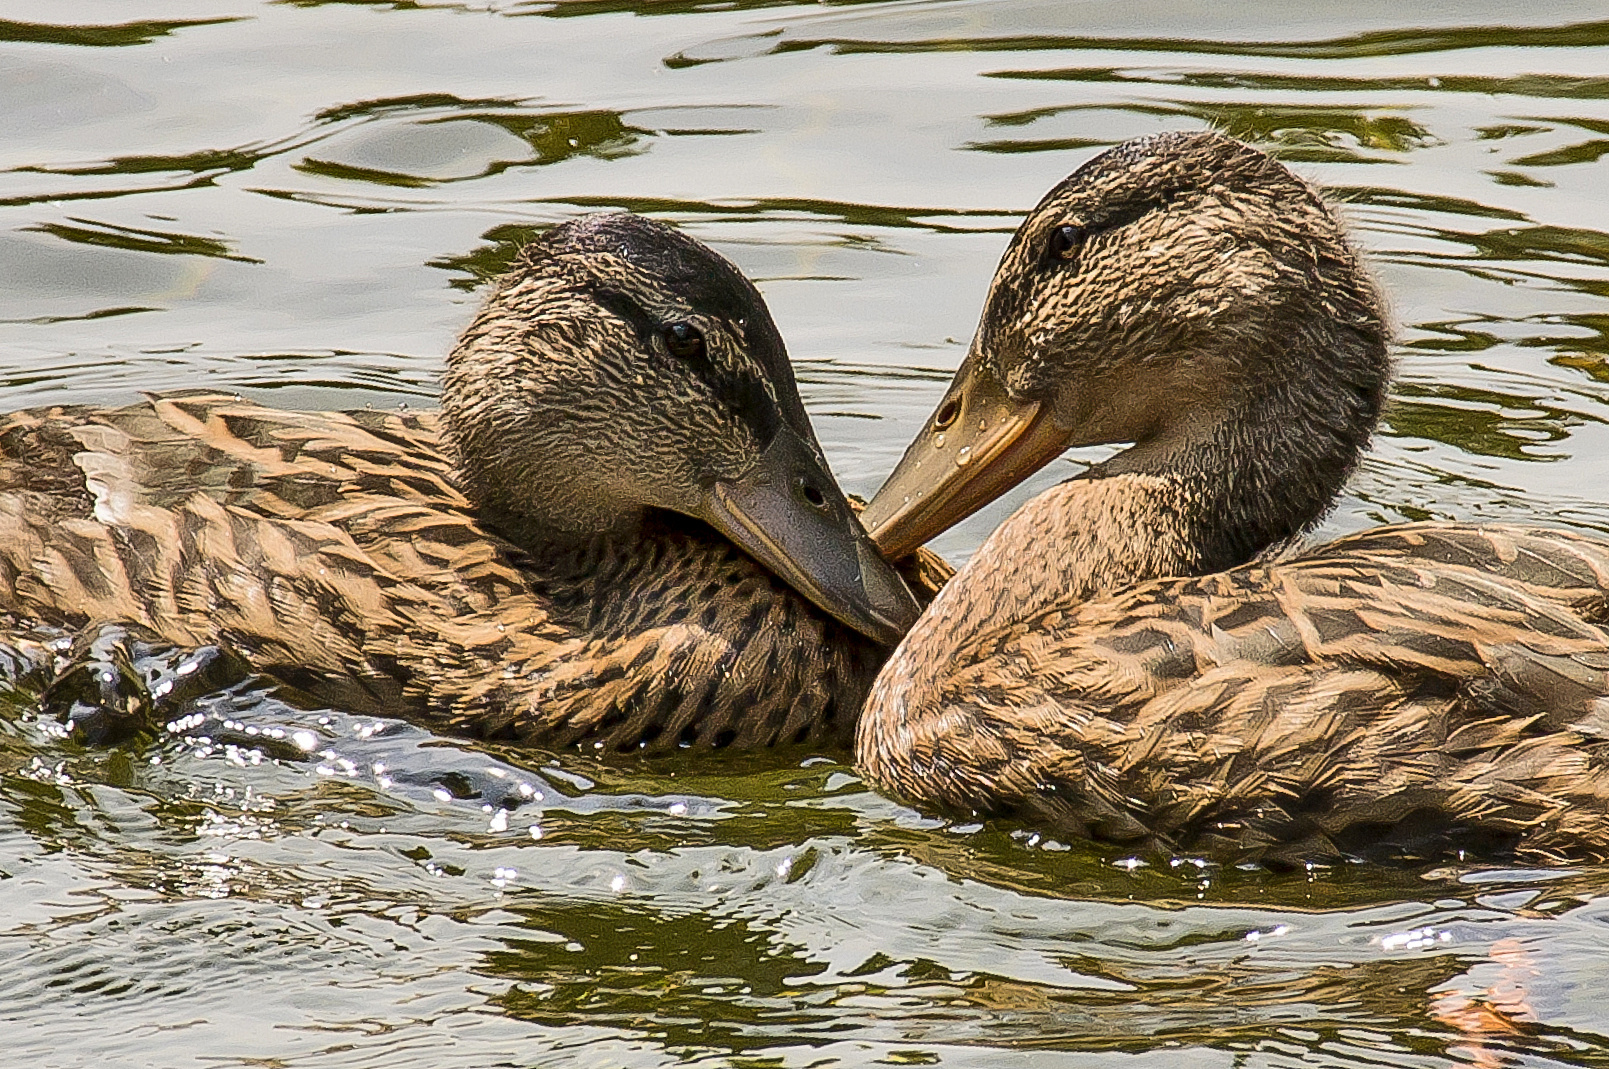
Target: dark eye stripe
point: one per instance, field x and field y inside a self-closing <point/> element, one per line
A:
<point x="741" y="388"/>
<point x="1067" y="240"/>
<point x="624" y="307"/>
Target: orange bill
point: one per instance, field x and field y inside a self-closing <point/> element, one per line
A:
<point x="978" y="444"/>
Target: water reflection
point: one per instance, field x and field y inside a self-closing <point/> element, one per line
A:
<point x="734" y="940"/>
<point x="772" y="970"/>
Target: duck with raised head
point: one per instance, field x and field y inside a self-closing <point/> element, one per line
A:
<point x="1123" y="659"/>
<point x="619" y="533"/>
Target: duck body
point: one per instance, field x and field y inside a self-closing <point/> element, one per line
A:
<point x="1416" y="689"/>
<point x="409" y="564"/>
<point x="335" y="553"/>
<point x="1128" y="658"/>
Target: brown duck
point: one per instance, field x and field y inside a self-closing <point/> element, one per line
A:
<point x="620" y="532"/>
<point x="1117" y="662"/>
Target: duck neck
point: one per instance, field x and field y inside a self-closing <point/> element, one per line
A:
<point x="1207" y="493"/>
<point x="610" y="585"/>
<point x="549" y="538"/>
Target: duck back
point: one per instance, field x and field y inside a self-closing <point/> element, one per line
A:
<point x="1417" y="688"/>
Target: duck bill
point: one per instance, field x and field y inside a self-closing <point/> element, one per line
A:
<point x="978" y="444"/>
<point x="789" y="514"/>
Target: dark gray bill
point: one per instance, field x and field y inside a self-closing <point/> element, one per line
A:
<point x="790" y="515"/>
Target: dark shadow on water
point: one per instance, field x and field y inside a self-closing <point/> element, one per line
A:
<point x="135" y="239"/>
<point x="579" y="8"/>
<point x="560" y="9"/>
<point x="502" y="243"/>
<point x="1298" y="133"/>
<point x="1480" y="422"/>
<point x="553" y="138"/>
<point x="412" y="104"/>
<point x="1426" y="203"/>
<point x="1504" y="253"/>
<point x="1373" y="43"/>
<point x="1525" y="85"/>
<point x="119" y="35"/>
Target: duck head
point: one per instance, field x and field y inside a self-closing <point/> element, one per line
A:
<point x="622" y="367"/>
<point x="1182" y="292"/>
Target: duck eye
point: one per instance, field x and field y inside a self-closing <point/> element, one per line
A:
<point x="684" y="340"/>
<point x="1065" y="241"/>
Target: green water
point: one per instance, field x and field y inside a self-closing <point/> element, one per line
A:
<point x="299" y="199"/>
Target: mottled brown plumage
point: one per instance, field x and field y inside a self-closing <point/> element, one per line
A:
<point x="1114" y="664"/>
<point x="524" y="567"/>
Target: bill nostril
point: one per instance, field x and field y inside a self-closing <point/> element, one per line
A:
<point x="947" y="414"/>
<point x="812" y="496"/>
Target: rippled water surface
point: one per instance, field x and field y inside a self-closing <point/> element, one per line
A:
<point x="299" y="199"/>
